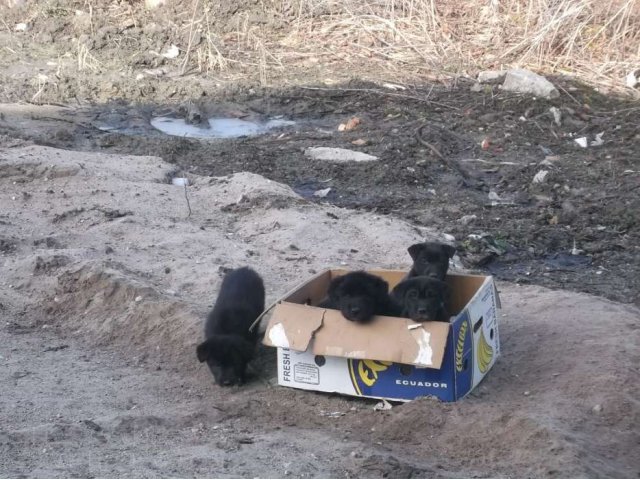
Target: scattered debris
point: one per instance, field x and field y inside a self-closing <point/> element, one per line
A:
<point x="92" y="425"/>
<point x="524" y="81"/>
<point x="322" y="193"/>
<point x="598" y="141"/>
<point x="541" y="176"/>
<point x="331" y="414"/>
<point x="557" y="115"/>
<point x="582" y="141"/>
<point x="383" y="405"/>
<point x="485" y="144"/>
<point x="632" y="80"/>
<point x="350" y="125"/>
<point x="574" y="250"/>
<point x="56" y="348"/>
<point x="172" y="52"/>
<point x="597" y="408"/>
<point x="20" y="27"/>
<point x="180" y="181"/>
<point x="480" y="243"/>
<point x="476" y="87"/>
<point x="393" y="86"/>
<point x="359" y="142"/>
<point x="341" y="155"/>
<point x="151" y="4"/>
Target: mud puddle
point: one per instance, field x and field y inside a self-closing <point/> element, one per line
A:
<point x="217" y="127"/>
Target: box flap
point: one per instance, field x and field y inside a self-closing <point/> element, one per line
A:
<point x="292" y="326"/>
<point x="389" y="339"/>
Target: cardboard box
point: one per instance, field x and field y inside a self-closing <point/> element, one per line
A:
<point x="391" y="358"/>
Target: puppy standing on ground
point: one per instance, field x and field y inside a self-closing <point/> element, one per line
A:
<point x="229" y="344"/>
<point x="360" y="296"/>
<point x="423" y="299"/>
<point x="430" y="259"/>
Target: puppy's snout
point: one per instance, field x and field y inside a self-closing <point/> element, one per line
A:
<point x="355" y="310"/>
<point x="422" y="310"/>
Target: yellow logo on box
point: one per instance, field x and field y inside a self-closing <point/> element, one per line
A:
<point x="366" y="372"/>
<point x="460" y="346"/>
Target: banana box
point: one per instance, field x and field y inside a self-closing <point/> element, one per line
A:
<point x="391" y="358"/>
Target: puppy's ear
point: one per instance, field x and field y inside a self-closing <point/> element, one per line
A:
<point x="449" y="250"/>
<point x="334" y="287"/>
<point x="203" y="351"/>
<point x="414" y="250"/>
<point x="381" y="286"/>
<point x="400" y="290"/>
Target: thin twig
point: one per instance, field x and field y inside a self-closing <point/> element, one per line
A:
<point x="186" y="195"/>
<point x="451" y="164"/>
<point x="186" y="55"/>
<point x="381" y="92"/>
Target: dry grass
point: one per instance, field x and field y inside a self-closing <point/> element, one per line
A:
<point x="398" y="40"/>
<point x="593" y="39"/>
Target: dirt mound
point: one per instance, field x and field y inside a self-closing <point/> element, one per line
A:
<point x="560" y="402"/>
<point x="109" y="308"/>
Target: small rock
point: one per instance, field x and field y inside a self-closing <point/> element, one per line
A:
<point x="20" y="27"/>
<point x="524" y="81"/>
<point x="494" y="196"/>
<point x="476" y="87"/>
<point x="340" y="155"/>
<point x="167" y="270"/>
<point x="557" y="115"/>
<point x="527" y="393"/>
<point x="108" y="250"/>
<point x="492" y="76"/>
<point x="597" y="408"/>
<point x="359" y="142"/>
<point x="467" y="219"/>
<point x="138" y="299"/>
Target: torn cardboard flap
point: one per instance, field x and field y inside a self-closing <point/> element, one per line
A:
<point x="386" y="339"/>
<point x="292" y="326"/>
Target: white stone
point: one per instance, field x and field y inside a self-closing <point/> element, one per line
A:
<point x="524" y="81"/>
<point x="341" y="155"/>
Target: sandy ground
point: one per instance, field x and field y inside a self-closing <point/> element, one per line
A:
<point x="104" y="282"/>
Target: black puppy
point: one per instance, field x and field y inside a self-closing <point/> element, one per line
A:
<point x="229" y="345"/>
<point x="360" y="296"/>
<point x="430" y="259"/>
<point x="423" y="299"/>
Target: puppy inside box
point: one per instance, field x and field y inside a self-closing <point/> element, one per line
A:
<point x="390" y="357"/>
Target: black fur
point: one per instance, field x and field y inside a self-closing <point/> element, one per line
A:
<point x="360" y="296"/>
<point x="430" y="259"/>
<point x="229" y="345"/>
<point x="423" y="299"/>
